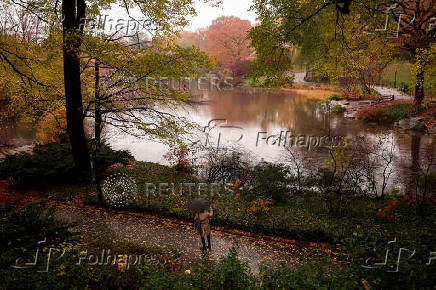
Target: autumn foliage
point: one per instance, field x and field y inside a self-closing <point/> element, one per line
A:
<point x="52" y="127"/>
<point x="225" y="40"/>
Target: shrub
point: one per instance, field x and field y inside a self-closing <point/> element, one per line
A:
<point x="226" y="167"/>
<point x="52" y="163"/>
<point x="309" y="276"/>
<point x="22" y="227"/>
<point x="333" y="97"/>
<point x="179" y="157"/>
<point x="269" y="180"/>
<point x="338" y="109"/>
<point x="387" y="113"/>
<point x="47" y="163"/>
<point x="106" y="156"/>
<point x="228" y="273"/>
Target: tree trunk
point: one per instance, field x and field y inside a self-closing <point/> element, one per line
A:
<point x="419" y="87"/>
<point x="73" y="11"/>
<point x="97" y="127"/>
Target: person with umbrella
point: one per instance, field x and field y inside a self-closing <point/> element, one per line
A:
<point x="203" y="212"/>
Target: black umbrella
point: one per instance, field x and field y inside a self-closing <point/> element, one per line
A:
<point x="198" y="205"/>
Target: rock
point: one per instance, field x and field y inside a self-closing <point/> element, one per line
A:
<point x="403" y="124"/>
<point x="432" y="130"/>
<point x="415" y="122"/>
<point x="419" y="126"/>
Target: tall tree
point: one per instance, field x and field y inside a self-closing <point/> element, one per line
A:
<point x="325" y="29"/>
<point x="164" y="18"/>
<point x="227" y="41"/>
<point x="416" y="32"/>
<point x="73" y="13"/>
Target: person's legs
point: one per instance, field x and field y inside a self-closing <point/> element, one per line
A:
<point x="204" y="244"/>
<point x="208" y="242"/>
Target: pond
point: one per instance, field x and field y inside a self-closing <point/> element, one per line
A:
<point x="253" y="119"/>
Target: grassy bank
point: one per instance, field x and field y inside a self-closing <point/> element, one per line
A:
<point x="387" y="113"/>
<point x="358" y="237"/>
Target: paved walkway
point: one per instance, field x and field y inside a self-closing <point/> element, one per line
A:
<point x="152" y="231"/>
<point x="388" y="92"/>
<point x="384" y="91"/>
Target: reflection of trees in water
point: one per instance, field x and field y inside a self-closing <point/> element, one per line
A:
<point x="14" y="135"/>
<point x="417" y="152"/>
<point x="295" y="110"/>
<point x="6" y="138"/>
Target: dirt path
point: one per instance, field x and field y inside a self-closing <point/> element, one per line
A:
<point x="152" y="231"/>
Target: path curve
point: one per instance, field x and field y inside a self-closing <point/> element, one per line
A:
<point x="161" y="232"/>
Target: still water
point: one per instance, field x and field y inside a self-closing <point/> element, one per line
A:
<point x="253" y="118"/>
<point x="248" y="117"/>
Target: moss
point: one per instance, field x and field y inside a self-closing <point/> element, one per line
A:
<point x="333" y="97"/>
<point x="338" y="109"/>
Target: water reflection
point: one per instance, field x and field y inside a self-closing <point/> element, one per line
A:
<point x="299" y="111"/>
<point x="16" y="135"/>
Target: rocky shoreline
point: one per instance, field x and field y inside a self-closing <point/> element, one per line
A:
<point x="15" y="150"/>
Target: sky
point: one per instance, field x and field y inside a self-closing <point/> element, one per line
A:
<point x="206" y="13"/>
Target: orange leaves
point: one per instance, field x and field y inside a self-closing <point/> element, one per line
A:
<point x="225" y="40"/>
<point x="260" y="205"/>
<point x="52" y="127"/>
<point x="381" y="214"/>
<point x="365" y="284"/>
<point x="387" y="212"/>
<point x="236" y="185"/>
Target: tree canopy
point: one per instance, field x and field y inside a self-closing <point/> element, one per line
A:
<point x="340" y="38"/>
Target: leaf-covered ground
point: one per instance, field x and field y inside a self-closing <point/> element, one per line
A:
<point x="179" y="236"/>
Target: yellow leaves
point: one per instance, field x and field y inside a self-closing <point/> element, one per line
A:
<point x="61" y="271"/>
<point x="52" y="127"/>
<point x="122" y="263"/>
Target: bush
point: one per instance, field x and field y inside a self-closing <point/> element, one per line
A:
<point x="333" y="97"/>
<point x="388" y="113"/>
<point x="338" y="109"/>
<point x="106" y="156"/>
<point x="269" y="180"/>
<point x="226" y="167"/>
<point x="47" y="163"/>
<point x="22" y="227"/>
<point x="52" y="164"/>
<point x="228" y="273"/>
<point x="309" y="276"/>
